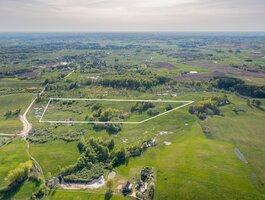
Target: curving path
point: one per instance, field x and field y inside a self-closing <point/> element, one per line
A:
<point x="27" y="126"/>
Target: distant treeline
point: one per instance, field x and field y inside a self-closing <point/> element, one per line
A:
<point x="128" y="81"/>
<point x="132" y="82"/>
<point x="239" y="86"/>
<point x="12" y="73"/>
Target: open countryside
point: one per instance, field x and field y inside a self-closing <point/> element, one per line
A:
<point x="132" y="100"/>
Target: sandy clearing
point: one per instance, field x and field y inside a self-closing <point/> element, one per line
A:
<point x="95" y="184"/>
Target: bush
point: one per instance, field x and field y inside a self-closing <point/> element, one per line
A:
<point x="120" y="157"/>
<point x="42" y="192"/>
<point x="142" y="106"/>
<point x="113" y="128"/>
<point x="152" y="112"/>
<point x="19" y="174"/>
<point x="169" y="107"/>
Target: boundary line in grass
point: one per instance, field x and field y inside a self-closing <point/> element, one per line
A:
<point x="45" y="109"/>
<point x="115" y="100"/>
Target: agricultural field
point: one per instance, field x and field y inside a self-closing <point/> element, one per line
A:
<point x="127" y="116"/>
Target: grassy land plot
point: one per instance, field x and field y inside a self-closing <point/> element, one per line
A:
<point x="55" y="154"/>
<point x="245" y="129"/>
<point x="78" y="195"/>
<point x="107" y="110"/>
<point x="11" y="103"/>
<point x="11" y="156"/>
<point x="194" y="167"/>
<point x="136" y="134"/>
<point x="23" y="191"/>
<point x="15" y="83"/>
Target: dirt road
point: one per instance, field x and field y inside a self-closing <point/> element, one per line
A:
<point x="26" y="125"/>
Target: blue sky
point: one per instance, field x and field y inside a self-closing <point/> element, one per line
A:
<point x="131" y="15"/>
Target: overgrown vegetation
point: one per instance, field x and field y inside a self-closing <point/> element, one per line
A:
<point x="142" y="106"/>
<point x="208" y="107"/>
<point x="239" y="86"/>
<point x="10" y="113"/>
<point x="45" y="135"/>
<point x="96" y="157"/>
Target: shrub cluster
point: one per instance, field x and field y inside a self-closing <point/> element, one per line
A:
<point x="208" y="107"/>
<point x="142" y="106"/>
<point x="96" y="156"/>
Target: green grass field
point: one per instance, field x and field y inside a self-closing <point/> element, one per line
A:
<point x="194" y="167"/>
<point x="55" y="155"/>
<point x="77" y="195"/>
<point x="11" y="156"/>
<point x="22" y="192"/>
<point x="189" y="164"/>
<point x="244" y="130"/>
<point x="78" y="111"/>
<point x="14" y="83"/>
<point x="13" y="102"/>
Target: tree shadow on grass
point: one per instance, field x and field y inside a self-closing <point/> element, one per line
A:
<point x="108" y="195"/>
<point x="259" y="107"/>
<point x="10" y="191"/>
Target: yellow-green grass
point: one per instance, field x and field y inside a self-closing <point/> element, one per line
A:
<point x="78" y="195"/>
<point x="253" y="80"/>
<point x="55" y="155"/>
<point x="13" y="102"/>
<point x="11" y="156"/>
<point x="194" y="167"/>
<point x="15" y="83"/>
<point x="245" y="130"/>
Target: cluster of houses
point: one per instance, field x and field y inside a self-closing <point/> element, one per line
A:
<point x="144" y="187"/>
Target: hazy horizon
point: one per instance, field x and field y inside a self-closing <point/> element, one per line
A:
<point x="132" y="16"/>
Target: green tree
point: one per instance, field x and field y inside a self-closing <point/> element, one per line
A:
<point x="257" y="103"/>
<point x="169" y="107"/>
<point x="120" y="157"/>
<point x="49" y="175"/>
<point x="111" y="144"/>
<point x="20" y="173"/>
